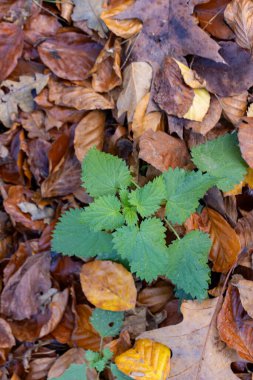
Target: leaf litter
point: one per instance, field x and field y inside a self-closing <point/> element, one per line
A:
<point x="102" y="259"/>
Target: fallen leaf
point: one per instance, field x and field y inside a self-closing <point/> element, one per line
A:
<point x="239" y="16"/>
<point x="11" y="47"/>
<point x="234" y="107"/>
<point x="89" y="133"/>
<point x="147" y="360"/>
<point x="197" y="350"/>
<point x="248" y="181"/>
<point x="250" y="110"/>
<point x="19" y="298"/>
<point x="7" y="339"/>
<point x="90" y="10"/>
<point x="244" y="230"/>
<point x="56" y="52"/>
<point x="245" y="288"/>
<point x="136" y="321"/>
<point x="38" y="368"/>
<point x="245" y="137"/>
<point x="163" y="151"/>
<point x="200" y="105"/>
<point x="63" y="331"/>
<point x="40" y="26"/>
<point x="108" y="285"/>
<point x="155" y="297"/>
<point x="232" y="326"/>
<point x="20" y="95"/>
<point x="121" y="344"/>
<point x="136" y="84"/>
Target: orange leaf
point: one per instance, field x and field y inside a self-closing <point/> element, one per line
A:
<point x="108" y="285"/>
<point x="148" y="360"/>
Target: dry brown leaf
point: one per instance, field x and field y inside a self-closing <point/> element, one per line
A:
<point x="155" y="297"/>
<point x="136" y="84"/>
<point x="40" y="26"/>
<point x="234" y="107"/>
<point x="120" y="345"/>
<point x="66" y="9"/>
<point x="225" y="241"/>
<point x="250" y="110"/>
<point x="19" y="299"/>
<point x="146" y="360"/>
<point x="108" y="285"/>
<point x="78" y="97"/>
<point x="245" y="137"/>
<point x="11" y="47"/>
<point x="38" y="368"/>
<point x="84" y="335"/>
<point x="7" y="339"/>
<point x="245" y="288"/>
<point x="239" y="15"/>
<point x="136" y="321"/>
<point x="57" y="53"/>
<point x="244" y="229"/>
<point x="197" y="350"/>
<point x="163" y="151"/>
<point x="233" y="327"/>
<point x="88" y="133"/>
<point x="74" y="355"/>
<point x="63" y="331"/>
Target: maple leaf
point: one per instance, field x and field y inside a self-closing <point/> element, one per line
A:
<point x="175" y="34"/>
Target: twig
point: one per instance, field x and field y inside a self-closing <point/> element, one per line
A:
<point x="172" y="229"/>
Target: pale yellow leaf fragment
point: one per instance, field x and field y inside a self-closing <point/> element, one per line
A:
<point x="200" y="105"/>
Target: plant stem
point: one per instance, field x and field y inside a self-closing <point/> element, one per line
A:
<point x="172" y="229"/>
<point x="135" y="184"/>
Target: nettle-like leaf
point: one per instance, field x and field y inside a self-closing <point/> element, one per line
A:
<point x="104" y="174"/>
<point x="104" y="214"/>
<point x="147" y="199"/>
<point x="129" y="211"/>
<point x="74" y="237"/>
<point x="97" y="360"/>
<point x="187" y="265"/>
<point x="144" y="247"/>
<point x="184" y="189"/>
<point x="74" y="372"/>
<point x="222" y="159"/>
<point x="107" y="323"/>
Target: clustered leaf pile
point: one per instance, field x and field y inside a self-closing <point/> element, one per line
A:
<point x="121" y="224"/>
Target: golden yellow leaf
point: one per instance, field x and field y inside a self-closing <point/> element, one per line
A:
<point x="200" y="105"/>
<point x="148" y="360"/>
<point x="108" y="285"/>
<point x="189" y="76"/>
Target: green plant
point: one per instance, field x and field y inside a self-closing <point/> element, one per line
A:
<point x="121" y="223"/>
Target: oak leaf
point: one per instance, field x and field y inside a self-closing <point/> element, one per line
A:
<point x="108" y="285"/>
<point x="147" y="360"/>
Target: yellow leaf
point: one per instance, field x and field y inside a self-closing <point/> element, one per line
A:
<point x="148" y="360"/>
<point x="108" y="285"/>
<point x="200" y="105"/>
<point x="250" y="110"/>
<point x="189" y="76"/>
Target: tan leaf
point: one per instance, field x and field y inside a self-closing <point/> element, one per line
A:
<point x="136" y="84"/>
<point x="11" y="47"/>
<point x="88" y="133"/>
<point x="197" y="351"/>
<point x="108" y="285"/>
<point x="245" y="137"/>
<point x="233" y="327"/>
<point x="7" y="339"/>
<point x="225" y="242"/>
<point x="147" y="360"/>
<point x="122" y="28"/>
<point x="234" y="107"/>
<point x="155" y="297"/>
<point x="244" y="229"/>
<point x="245" y="288"/>
<point x="38" y="368"/>
<point x="250" y="110"/>
<point x="239" y="15"/>
<point x="163" y="151"/>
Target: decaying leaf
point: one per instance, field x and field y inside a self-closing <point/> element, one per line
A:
<point x="136" y="83"/>
<point x="19" y="95"/>
<point x="147" y="360"/>
<point x="7" y="339"/>
<point x="245" y="288"/>
<point x="163" y="151"/>
<point x="245" y="137"/>
<point x="197" y="350"/>
<point x="155" y="297"/>
<point x="234" y="107"/>
<point x="244" y="229"/>
<point x="108" y="285"/>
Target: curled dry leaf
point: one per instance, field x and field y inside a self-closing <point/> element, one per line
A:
<point x="239" y="16"/>
<point x="136" y="84"/>
<point x="245" y="288"/>
<point x="88" y="133"/>
<point x="197" y="350"/>
<point x="57" y="53"/>
<point x="7" y="339"/>
<point x="234" y="107"/>
<point x="11" y="47"/>
<point x="244" y="229"/>
<point x="147" y="360"/>
<point x="233" y="327"/>
<point x="163" y="151"/>
<point x="245" y="137"/>
<point x="155" y="297"/>
<point x="108" y="285"/>
<point x="19" y="299"/>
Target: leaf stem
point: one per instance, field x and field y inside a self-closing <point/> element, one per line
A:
<point x="135" y="184"/>
<point x="172" y="229"/>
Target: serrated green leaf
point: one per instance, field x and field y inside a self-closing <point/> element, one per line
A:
<point x="222" y="159"/>
<point x="130" y="215"/>
<point x="118" y="374"/>
<point x="104" y="214"/>
<point x="187" y="265"/>
<point x="184" y="189"/>
<point x="104" y="174"/>
<point x="107" y="323"/>
<point x="73" y="237"/>
<point x="98" y="361"/>
<point x="144" y="247"/>
<point x="147" y="199"/>
<point x="74" y="372"/>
